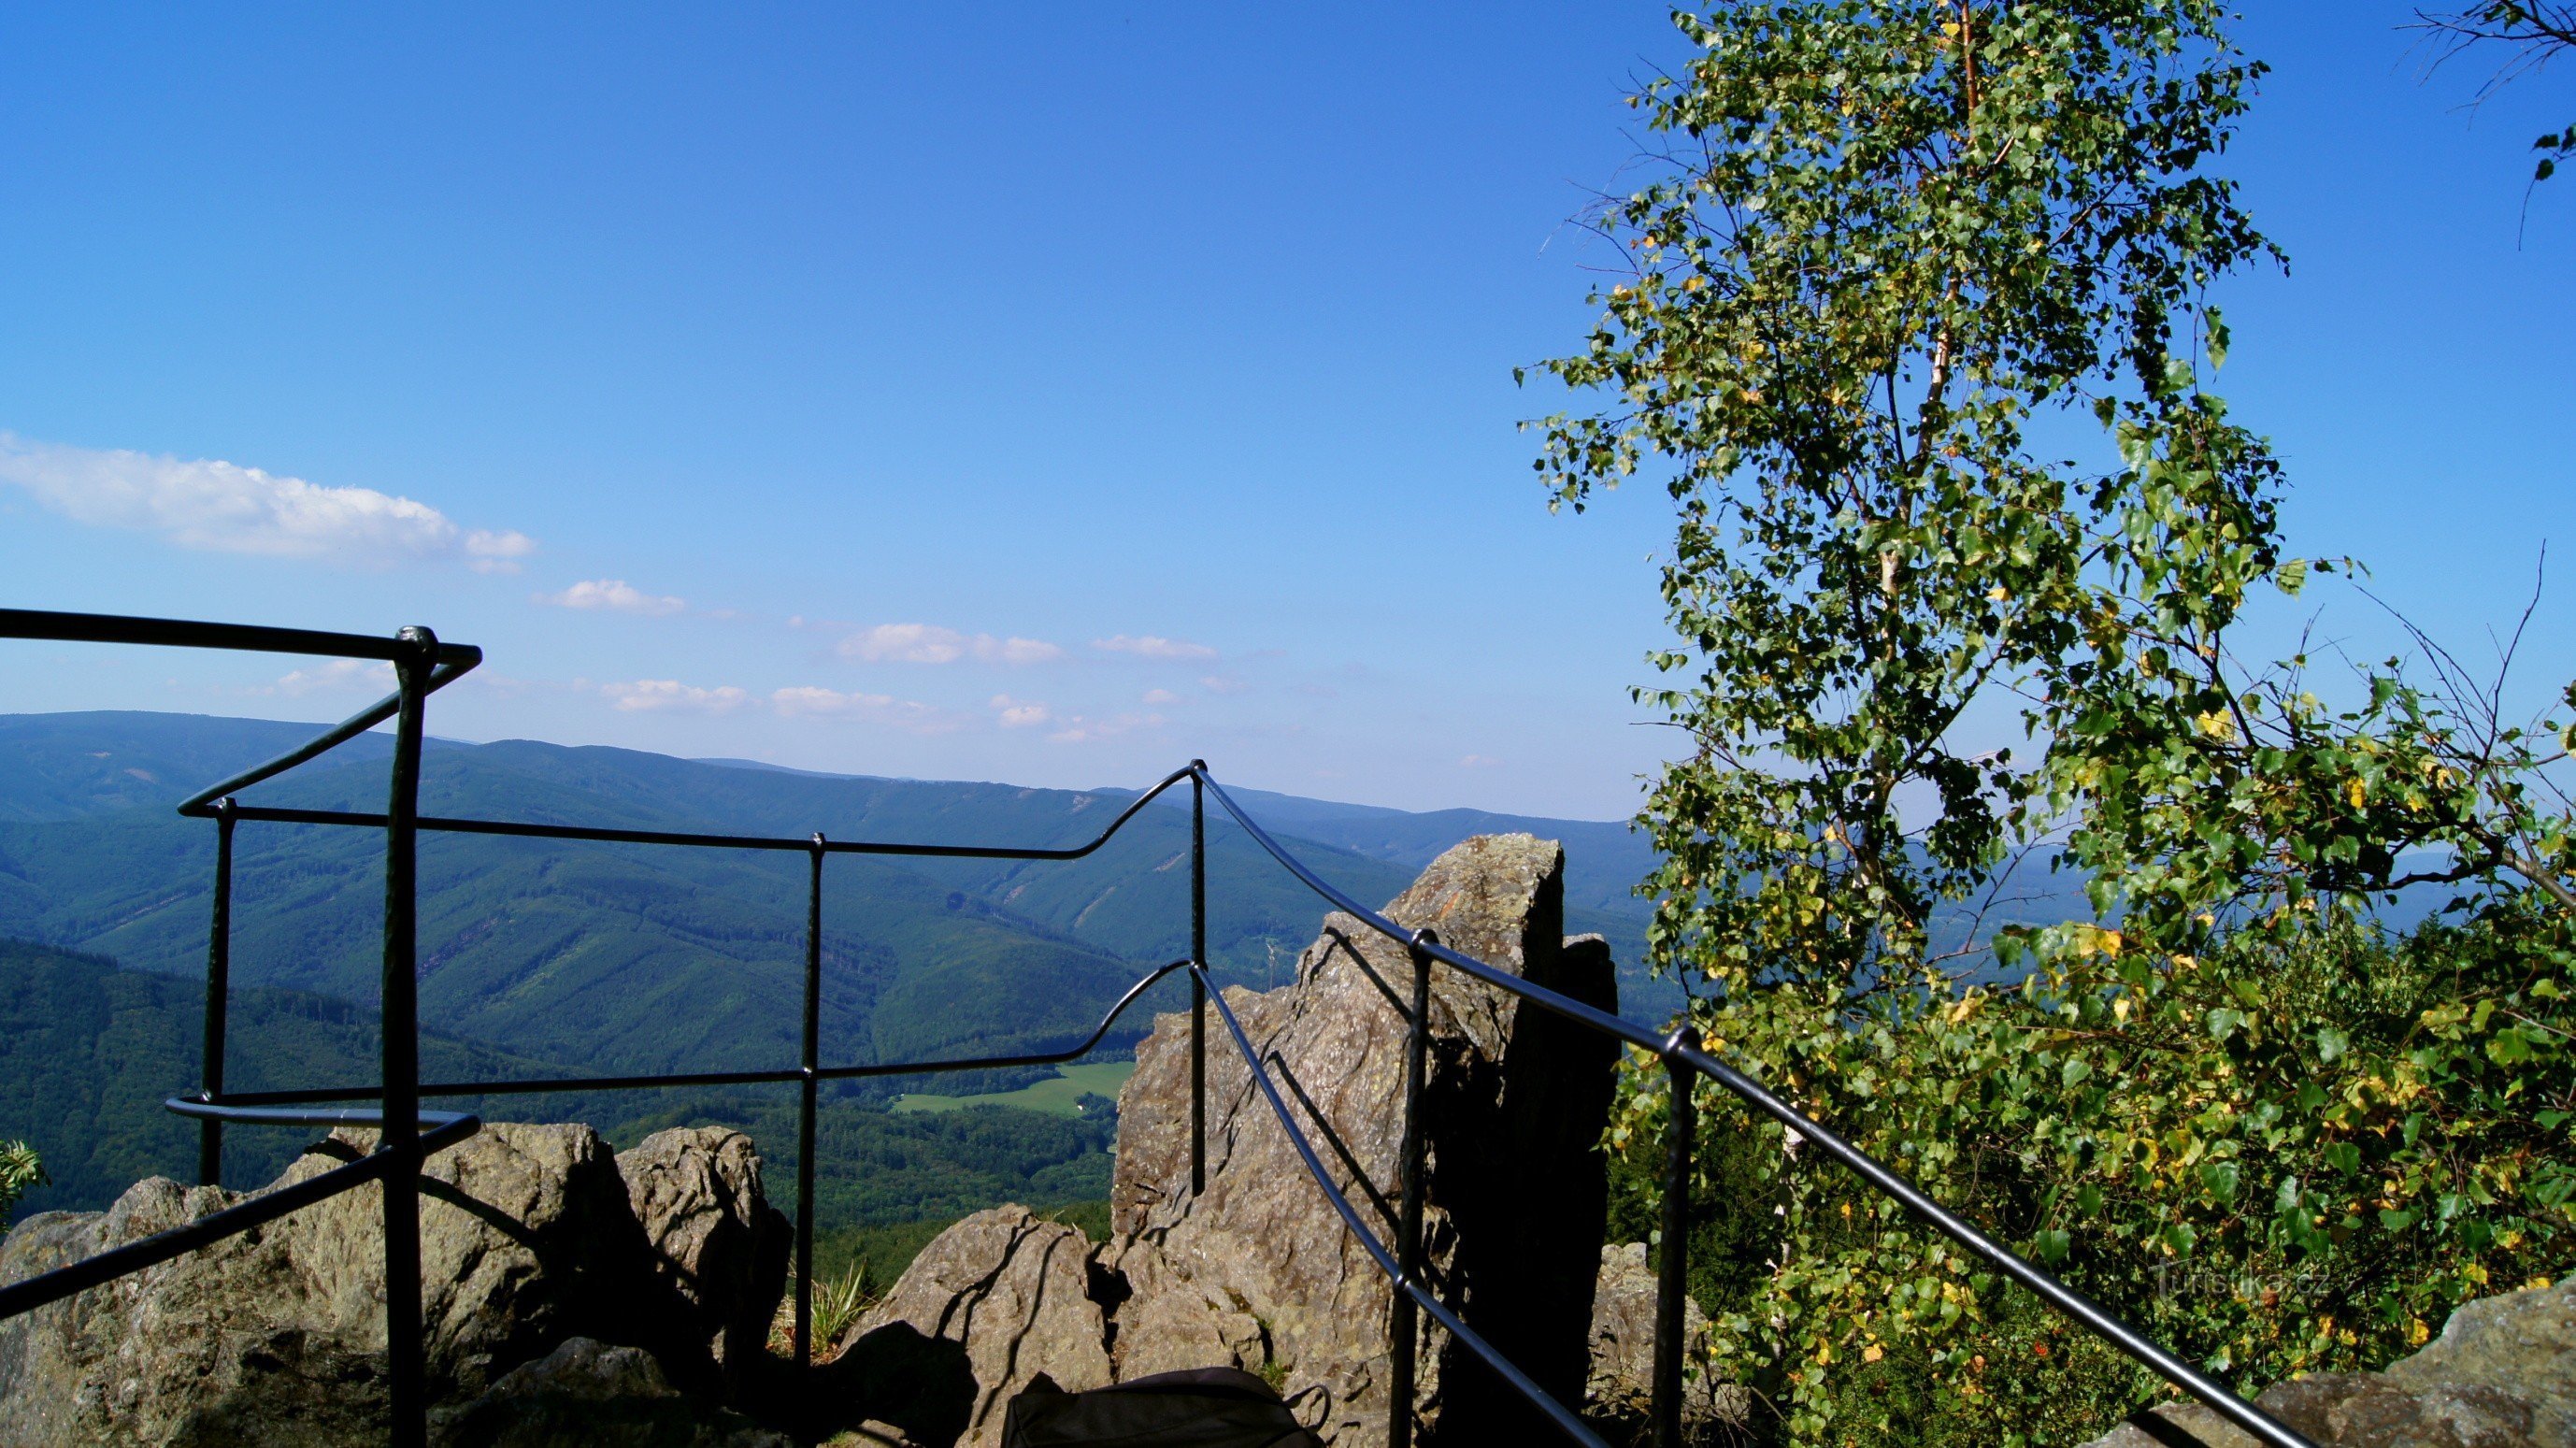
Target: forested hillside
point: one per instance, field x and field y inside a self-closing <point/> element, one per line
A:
<point x="541" y="958"/>
<point x="88" y="1052"/>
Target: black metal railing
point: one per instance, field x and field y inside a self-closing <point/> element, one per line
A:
<point x="408" y="1135"/>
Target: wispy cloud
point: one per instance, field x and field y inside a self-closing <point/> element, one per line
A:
<point x="919" y="718"/>
<point x="1478" y="761"/>
<point x="1077" y="729"/>
<point x="615" y="594"/>
<point x="1020" y="713"/>
<point x="1152" y="646"/>
<point x="1161" y="696"/>
<point x="670" y="696"/>
<point x="226" y="508"/>
<point x="1223" y="684"/>
<point x="927" y="643"/>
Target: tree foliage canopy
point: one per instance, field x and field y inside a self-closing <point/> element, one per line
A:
<point x="1894" y="257"/>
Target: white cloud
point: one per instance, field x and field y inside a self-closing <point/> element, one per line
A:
<point x="1150" y="646"/>
<point x="1021" y="713"/>
<point x="374" y="678"/>
<point x="670" y="696"/>
<point x="226" y="508"/>
<point x="806" y="700"/>
<point x="1161" y="696"/>
<point x="810" y="700"/>
<point x="1078" y="729"/>
<point x="1221" y="684"/>
<point x="489" y="552"/>
<point x="1478" y="761"/>
<point x="612" y="593"/>
<point x="927" y="643"/>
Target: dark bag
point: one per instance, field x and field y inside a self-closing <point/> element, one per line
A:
<point x="1200" y="1408"/>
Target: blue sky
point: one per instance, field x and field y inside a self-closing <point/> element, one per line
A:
<point x="1044" y="395"/>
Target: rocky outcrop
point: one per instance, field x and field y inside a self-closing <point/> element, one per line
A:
<point x="1011" y="1290"/>
<point x="1621" y="1388"/>
<point x="1258" y="1273"/>
<point x="277" y="1336"/>
<point x="2501" y="1375"/>
<point x="587" y="1394"/>
<point x="714" y="1240"/>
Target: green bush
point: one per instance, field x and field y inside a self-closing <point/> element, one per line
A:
<point x="20" y="1169"/>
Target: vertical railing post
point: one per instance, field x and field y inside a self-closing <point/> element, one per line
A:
<point x="400" y="1136"/>
<point x="1672" y="1279"/>
<point x="219" y="988"/>
<point x="805" y="1107"/>
<point x="1198" y="978"/>
<point x="1408" y="1232"/>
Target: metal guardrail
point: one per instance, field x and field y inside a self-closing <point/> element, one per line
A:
<point x="423" y="665"/>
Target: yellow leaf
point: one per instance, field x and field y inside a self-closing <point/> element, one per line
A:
<point x="2215" y="724"/>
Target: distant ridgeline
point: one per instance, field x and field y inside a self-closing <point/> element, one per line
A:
<point x="541" y="958"/>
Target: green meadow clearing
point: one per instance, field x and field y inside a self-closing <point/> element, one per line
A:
<point x="1054" y="1096"/>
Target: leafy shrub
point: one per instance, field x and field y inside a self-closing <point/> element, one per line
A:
<point x="19" y="1169"/>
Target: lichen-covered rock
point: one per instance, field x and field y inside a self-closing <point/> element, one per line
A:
<point x="2502" y="1375"/>
<point x="1015" y="1293"/>
<point x="1258" y="1272"/>
<point x="1622" y="1384"/>
<point x="278" y="1335"/>
<point x="716" y="1242"/>
<point x="587" y="1394"/>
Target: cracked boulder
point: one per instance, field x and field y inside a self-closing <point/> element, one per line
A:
<point x="1003" y="1294"/>
<point x="716" y="1243"/>
<point x="1258" y="1272"/>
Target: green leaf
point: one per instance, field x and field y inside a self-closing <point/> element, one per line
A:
<point x="2219" y="1179"/>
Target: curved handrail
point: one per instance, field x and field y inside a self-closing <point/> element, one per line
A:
<point x="2100" y="1320"/>
<point x="116" y="628"/>
<point x="450" y="661"/>
<point x="201" y="804"/>
<point x="442" y="1129"/>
